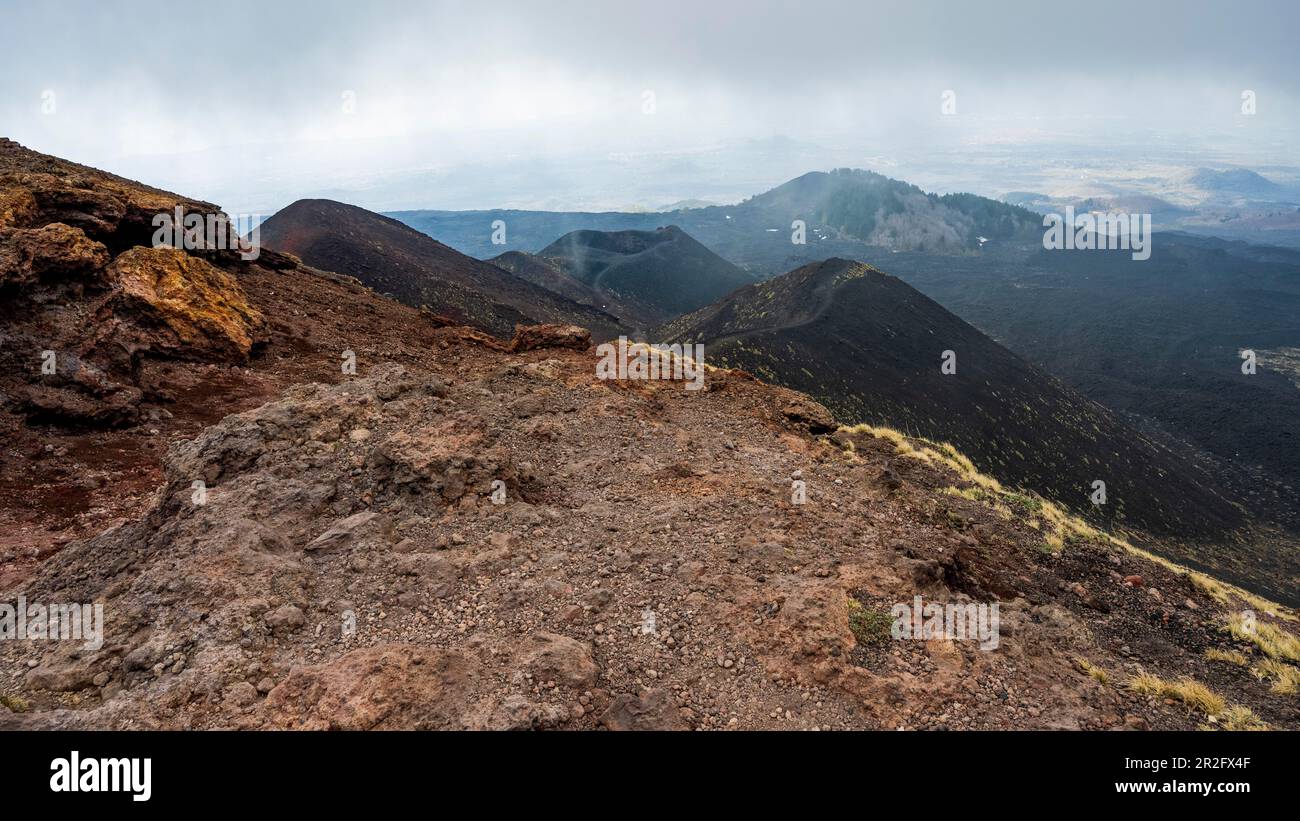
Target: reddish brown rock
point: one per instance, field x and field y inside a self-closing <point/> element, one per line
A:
<point x="531" y="337"/>
<point x="189" y="307"/>
<point x="389" y="686"/>
<point x="808" y="414"/>
<point x="63" y="405"/>
<point x="55" y="250"/>
<point x="651" y="710"/>
<point x="552" y="657"/>
<point x="32" y="200"/>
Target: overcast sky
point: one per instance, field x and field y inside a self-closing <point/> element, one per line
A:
<point x="294" y="93"/>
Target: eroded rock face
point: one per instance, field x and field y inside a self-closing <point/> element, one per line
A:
<point x="17" y="205"/>
<point x="35" y="199"/>
<point x="55" y="250"/>
<point x="86" y="286"/>
<point x="36" y="190"/>
<point x="189" y="307"/>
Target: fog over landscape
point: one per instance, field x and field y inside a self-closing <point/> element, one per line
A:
<point x="580" y="106"/>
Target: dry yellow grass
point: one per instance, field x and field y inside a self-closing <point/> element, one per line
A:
<point x="1241" y="718"/>
<point x="1193" y="694"/>
<point x="1100" y="675"/>
<point x="1285" y="678"/>
<point x="1059" y="527"/>
<point x="1064" y="526"/>
<point x="977" y="494"/>
<point x="1223" y="593"/>
<point x="1220" y="591"/>
<point x="1272" y="641"/>
<point x="929" y="452"/>
<point x="667" y="357"/>
<point x="1229" y="656"/>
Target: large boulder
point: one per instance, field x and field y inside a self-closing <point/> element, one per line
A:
<point x="650" y="710"/>
<point x="808" y="414"/>
<point x="531" y="337"/>
<point x="187" y="306"/>
<point x="553" y="657"/>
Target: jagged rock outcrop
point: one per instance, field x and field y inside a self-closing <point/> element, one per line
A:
<point x="90" y="295"/>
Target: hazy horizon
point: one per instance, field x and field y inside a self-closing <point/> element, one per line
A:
<point x="576" y="107"/>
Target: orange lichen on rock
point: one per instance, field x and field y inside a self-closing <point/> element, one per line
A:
<point x="16" y="204"/>
<point x="201" y="306"/>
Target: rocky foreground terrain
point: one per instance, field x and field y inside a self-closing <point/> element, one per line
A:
<point x="473" y="532"/>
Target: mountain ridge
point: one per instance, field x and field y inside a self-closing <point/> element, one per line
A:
<point x="871" y="349"/>
<point x="391" y="257"/>
<point x="852" y="206"/>
<point x="664" y="272"/>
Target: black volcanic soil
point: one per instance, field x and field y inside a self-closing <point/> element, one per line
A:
<point x="663" y="272"/>
<point x="548" y="274"/>
<point x="870" y="347"/>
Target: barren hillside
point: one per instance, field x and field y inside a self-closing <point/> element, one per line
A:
<point x="647" y="562"/>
